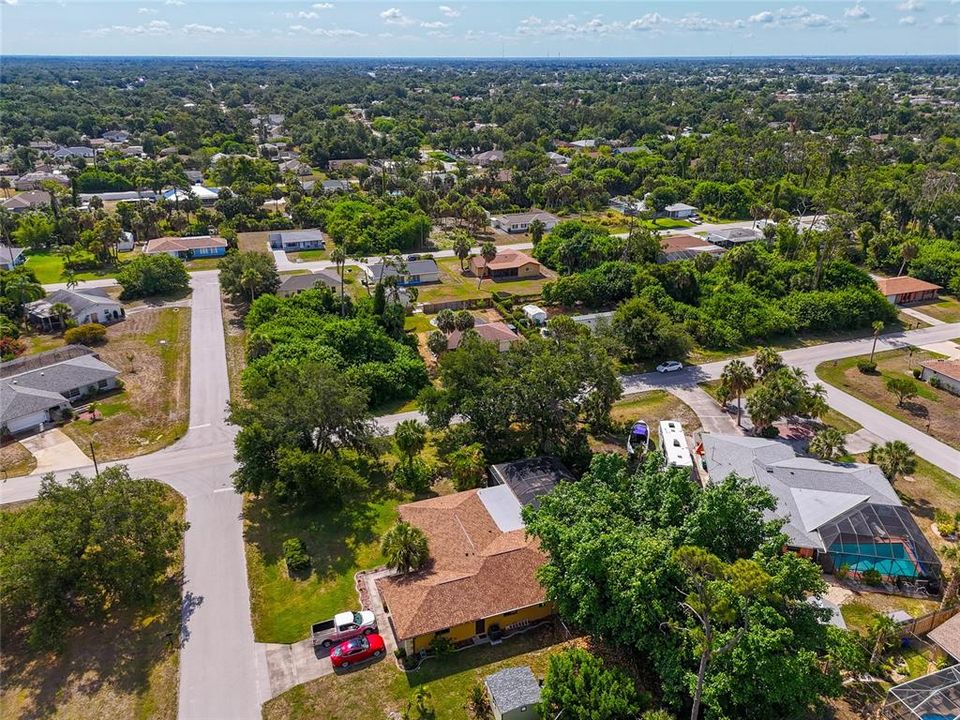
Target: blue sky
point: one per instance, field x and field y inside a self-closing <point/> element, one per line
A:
<point x="479" y="28"/>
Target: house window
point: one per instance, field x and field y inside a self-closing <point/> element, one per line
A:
<point x="445" y="631"/>
<point x="102" y="384"/>
<point x="75" y="392"/>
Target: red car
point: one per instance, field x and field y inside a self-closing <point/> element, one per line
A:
<point x="356" y="650"/>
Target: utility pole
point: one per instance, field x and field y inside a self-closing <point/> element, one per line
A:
<point x="93" y="454"/>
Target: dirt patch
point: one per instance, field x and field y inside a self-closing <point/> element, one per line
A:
<point x="125" y="666"/>
<point x="253" y="242"/>
<point x="16" y="460"/>
<point x="152" y="351"/>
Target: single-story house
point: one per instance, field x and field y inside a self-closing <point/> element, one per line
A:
<point x="90" y="306"/>
<point x="514" y="694"/>
<point x="557" y="159"/>
<point x="495" y="332"/>
<point x="904" y="289"/>
<point x="679" y="211"/>
<point x="520" y="222"/>
<point x="206" y="195"/>
<point x="133" y="151"/>
<point x="11" y="257"/>
<point x="194" y="176"/>
<point x="33" y="180"/>
<point x="947" y="373"/>
<point x="332" y="186"/>
<point x="731" y="237"/>
<point x="837" y="514"/>
<point x="507" y="265"/>
<point x="296" y="167"/>
<point x="293" y="284"/>
<point x="630" y="149"/>
<point x="294" y="240"/>
<point x="45" y="146"/>
<point x="536" y="314"/>
<point x="125" y="241"/>
<point x="487" y="158"/>
<point x="38" y="389"/>
<point x="188" y="247"/>
<point x="26" y="201"/>
<point x="82" y="151"/>
<point x="685" y="247"/>
<point x="117" y="136"/>
<point x="947" y="637"/>
<point x="340" y="164"/>
<point x="584" y="143"/>
<point x="417" y="272"/>
<point x="593" y="320"/>
<point x="481" y="578"/>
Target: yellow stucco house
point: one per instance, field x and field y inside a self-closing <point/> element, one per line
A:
<point x="481" y="577"/>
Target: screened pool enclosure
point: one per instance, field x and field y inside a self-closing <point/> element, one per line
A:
<point x="931" y="697"/>
<point x="884" y="538"/>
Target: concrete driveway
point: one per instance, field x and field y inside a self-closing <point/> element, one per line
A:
<point x="54" y="450"/>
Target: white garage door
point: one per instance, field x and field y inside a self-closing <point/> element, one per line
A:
<point x="27" y="421"/>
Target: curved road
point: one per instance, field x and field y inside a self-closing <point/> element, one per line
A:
<point x="219" y="675"/>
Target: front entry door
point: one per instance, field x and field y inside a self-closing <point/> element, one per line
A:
<point x="481" y="627"/>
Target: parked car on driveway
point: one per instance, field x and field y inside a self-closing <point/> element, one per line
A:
<point x="343" y="626"/>
<point x="669" y="366"/>
<point x="357" y="650"/>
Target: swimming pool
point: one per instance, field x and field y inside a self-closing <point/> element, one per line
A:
<point x="886" y="558"/>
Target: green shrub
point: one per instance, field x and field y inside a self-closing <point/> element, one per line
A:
<point x="934" y="382"/>
<point x="770" y="432"/>
<point x="872" y="577"/>
<point x="295" y="555"/>
<point x="441" y="645"/>
<point x="917" y="372"/>
<point x="867" y="367"/>
<point x="413" y="476"/>
<point x="842" y="572"/>
<point x="89" y="334"/>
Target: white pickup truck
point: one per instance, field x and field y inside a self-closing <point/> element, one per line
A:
<point x="343" y="626"/>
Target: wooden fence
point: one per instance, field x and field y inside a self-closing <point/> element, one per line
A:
<point x="926" y="623"/>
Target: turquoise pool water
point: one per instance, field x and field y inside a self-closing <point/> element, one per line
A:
<point x="885" y="558"/>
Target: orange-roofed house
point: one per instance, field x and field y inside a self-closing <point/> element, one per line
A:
<point x="495" y="332"/>
<point x="188" y="247"/>
<point x="942" y="373"/>
<point x="507" y="265"/>
<point x="480" y="582"/>
<point x="904" y="289"/>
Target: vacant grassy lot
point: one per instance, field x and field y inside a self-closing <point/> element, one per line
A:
<point x="235" y="336"/>
<point x="151" y="350"/>
<point x="374" y="692"/>
<point x="253" y="242"/>
<point x="125" y="666"/>
<point x="15" y="460"/>
<point x="933" y="411"/>
<point x="340" y="542"/>
<point x="454" y="285"/>
<point x="652" y="407"/>
<point x="946" y="309"/>
<point x="48" y="267"/>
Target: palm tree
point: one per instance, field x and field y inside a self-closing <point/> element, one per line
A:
<point x="877" y="329"/>
<point x="339" y="257"/>
<point x="411" y="438"/>
<point x="462" y="242"/>
<point x="828" y="444"/>
<point x="446" y="321"/>
<point x="895" y="459"/>
<point x="908" y="251"/>
<point x="953" y="585"/>
<point x="62" y="312"/>
<point x="249" y="280"/>
<point x="739" y="378"/>
<point x="536" y="231"/>
<point x="488" y="251"/>
<point x="882" y="631"/>
<point x="19" y="289"/>
<point x="766" y="361"/>
<point x="405" y="547"/>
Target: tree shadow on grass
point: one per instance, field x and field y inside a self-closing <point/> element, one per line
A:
<point x="918" y="410"/>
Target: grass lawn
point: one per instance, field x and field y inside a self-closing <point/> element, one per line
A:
<point x="125" y="666"/>
<point x="454" y="285"/>
<point x="858" y="612"/>
<point x="946" y="309"/>
<point x="235" y="336"/>
<point x="16" y="460"/>
<point x="253" y="242"/>
<point x="374" y="692"/>
<point x="37" y="343"/>
<point x="652" y="406"/>
<point x="933" y="411"/>
<point x="667" y="224"/>
<point x="309" y="255"/>
<point x="340" y="543"/>
<point x="210" y="263"/>
<point x="48" y="267"/>
<point x="152" y="409"/>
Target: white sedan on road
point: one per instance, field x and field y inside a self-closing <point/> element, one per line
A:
<point x="670" y="366"/>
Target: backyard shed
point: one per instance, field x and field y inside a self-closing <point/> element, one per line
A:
<point x="514" y="694"/>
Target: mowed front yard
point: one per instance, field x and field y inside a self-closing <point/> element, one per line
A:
<point x="340" y="543"/>
<point x="455" y="285"/>
<point x="375" y="692"/>
<point x="123" y="667"/>
<point x="48" y="267"/>
<point x="933" y="411"/>
<point x="151" y="349"/>
<point x="946" y="309"/>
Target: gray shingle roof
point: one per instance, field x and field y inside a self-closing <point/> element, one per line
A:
<point x="17" y="402"/>
<point x="297" y="236"/>
<point x="513" y="688"/>
<point x="296" y="283"/>
<point x="78" y="302"/>
<point x="64" y="376"/>
<point x="414" y="267"/>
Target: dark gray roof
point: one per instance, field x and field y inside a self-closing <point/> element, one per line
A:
<point x="738" y="234"/>
<point x="63" y="376"/>
<point x="295" y="283"/>
<point x="43" y="359"/>
<point x="17" y="402"/>
<point x="297" y="235"/>
<point x="9" y="254"/>
<point x="414" y="267"/>
<point x="78" y="302"/>
<point x="809" y="492"/>
<point x="531" y="478"/>
<point x="334" y="185"/>
<point x="513" y="688"/>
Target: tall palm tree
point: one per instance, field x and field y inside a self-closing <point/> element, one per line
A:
<point x="249" y="280"/>
<point x="828" y="444"/>
<point x="62" y="312"/>
<point x="405" y="547"/>
<point x="488" y="251"/>
<point x="339" y="257"/>
<point x="883" y="630"/>
<point x="410" y="437"/>
<point x="895" y="459"/>
<point x="877" y="329"/>
<point x="766" y="361"/>
<point x="739" y="378"/>
<point x="908" y="251"/>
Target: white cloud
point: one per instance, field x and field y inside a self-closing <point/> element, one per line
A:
<point x="198" y="29"/>
<point x="175" y="2"/>
<point x="322" y="6"/>
<point x="857" y="12"/>
<point x="448" y="11"/>
<point x="908" y="20"/>
<point x="435" y="25"/>
<point x="650" y="21"/>
<point x="393" y="16"/>
<point x="8" y="2"/>
<point x="766" y="17"/>
<point x="325" y="32"/>
<point x="147" y="11"/>
<point x="797" y="17"/>
<point x="696" y="22"/>
<point x="945" y="20"/>
<point x="154" y="27"/>
<point x="305" y="15"/>
<point x="911" y="6"/>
